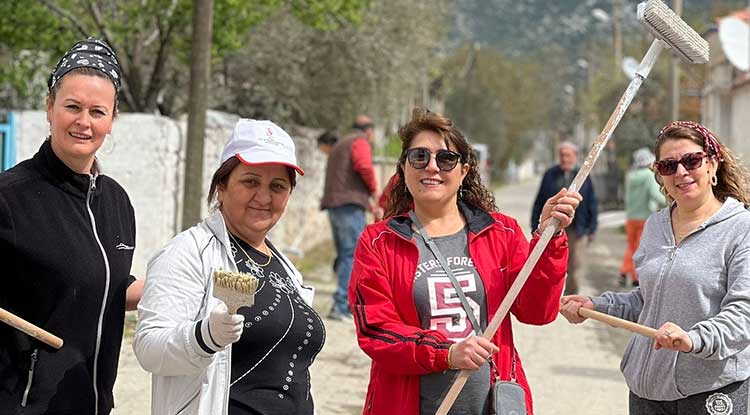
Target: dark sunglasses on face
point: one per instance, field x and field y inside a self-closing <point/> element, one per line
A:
<point x="690" y="161"/>
<point x="419" y="158"/>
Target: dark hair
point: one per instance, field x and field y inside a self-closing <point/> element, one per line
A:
<point x="731" y="175"/>
<point x="363" y="126"/>
<point x="472" y="191"/>
<point x="52" y="95"/>
<point x="327" y="138"/>
<point x="221" y="177"/>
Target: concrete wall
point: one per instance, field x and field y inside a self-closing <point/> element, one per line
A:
<point x="146" y="155"/>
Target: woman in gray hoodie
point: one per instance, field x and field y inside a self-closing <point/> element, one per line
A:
<point x="694" y="268"/>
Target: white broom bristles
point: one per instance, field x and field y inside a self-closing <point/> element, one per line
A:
<point x="667" y="26"/>
<point x="237" y="281"/>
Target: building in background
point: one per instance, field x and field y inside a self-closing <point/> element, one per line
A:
<point x="726" y="95"/>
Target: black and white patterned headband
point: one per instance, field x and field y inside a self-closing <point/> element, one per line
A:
<point x="90" y="53"/>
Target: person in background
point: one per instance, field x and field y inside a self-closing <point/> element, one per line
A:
<point x="642" y="198"/>
<point x="693" y="265"/>
<point x="349" y="187"/>
<point x="67" y="237"/>
<point x="408" y="317"/>
<point x="387" y="192"/>
<point x="584" y="225"/>
<point x="326" y="141"/>
<point x="205" y="360"/>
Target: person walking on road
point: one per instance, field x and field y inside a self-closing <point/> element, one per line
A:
<point x="350" y="184"/>
<point x="694" y="269"/>
<point x="642" y="198"/>
<point x="406" y="308"/>
<point x="584" y="224"/>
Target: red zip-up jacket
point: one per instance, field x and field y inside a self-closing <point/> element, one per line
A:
<point x="381" y="294"/>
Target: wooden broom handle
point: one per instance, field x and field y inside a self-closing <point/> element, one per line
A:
<point x="623" y="324"/>
<point x="617" y="322"/>
<point x="30" y="329"/>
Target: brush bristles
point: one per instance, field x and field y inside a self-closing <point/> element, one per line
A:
<point x="237" y="281"/>
<point x="670" y="28"/>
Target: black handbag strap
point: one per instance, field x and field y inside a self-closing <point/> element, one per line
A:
<point x="456" y="286"/>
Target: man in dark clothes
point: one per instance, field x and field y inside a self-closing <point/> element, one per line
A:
<point x="584" y="223"/>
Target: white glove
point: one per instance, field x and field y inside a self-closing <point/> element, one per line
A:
<point x="224" y="328"/>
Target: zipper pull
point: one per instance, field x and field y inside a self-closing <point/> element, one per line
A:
<point x="92" y="183"/>
<point x="32" y="366"/>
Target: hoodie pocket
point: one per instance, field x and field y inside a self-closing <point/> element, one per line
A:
<point x="32" y="366"/>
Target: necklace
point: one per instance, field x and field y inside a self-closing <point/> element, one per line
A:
<point x="269" y="254"/>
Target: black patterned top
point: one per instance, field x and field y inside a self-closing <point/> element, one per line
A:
<point x="282" y="336"/>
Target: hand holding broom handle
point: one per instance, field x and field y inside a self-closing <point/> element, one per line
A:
<point x="621" y="323"/>
<point x="30" y="329"/>
<point x="670" y="32"/>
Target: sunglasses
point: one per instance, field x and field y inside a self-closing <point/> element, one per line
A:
<point x="419" y="158"/>
<point x="690" y="161"/>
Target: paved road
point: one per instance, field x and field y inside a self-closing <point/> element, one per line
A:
<point x="572" y="369"/>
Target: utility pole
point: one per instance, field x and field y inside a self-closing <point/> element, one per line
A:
<point x="617" y="13"/>
<point x="675" y="73"/>
<point x="200" y="69"/>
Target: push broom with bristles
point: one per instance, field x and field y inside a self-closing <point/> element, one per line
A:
<point x="670" y="32"/>
<point x="235" y="289"/>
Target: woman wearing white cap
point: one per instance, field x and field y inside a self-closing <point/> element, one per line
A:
<point x="205" y="360"/>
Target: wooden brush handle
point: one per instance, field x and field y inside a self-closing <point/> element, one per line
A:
<point x="623" y="324"/>
<point x="30" y="329"/>
<point x="617" y="322"/>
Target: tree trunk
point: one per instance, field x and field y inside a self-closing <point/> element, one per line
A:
<point x="199" y="76"/>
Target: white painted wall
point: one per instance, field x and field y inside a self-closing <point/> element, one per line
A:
<point x="726" y="100"/>
<point x="145" y="154"/>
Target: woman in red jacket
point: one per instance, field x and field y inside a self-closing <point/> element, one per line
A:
<point x="408" y="317"/>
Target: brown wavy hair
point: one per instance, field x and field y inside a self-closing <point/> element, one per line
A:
<point x="731" y="175"/>
<point x="472" y="191"/>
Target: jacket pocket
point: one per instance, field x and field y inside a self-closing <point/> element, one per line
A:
<point x="32" y="366"/>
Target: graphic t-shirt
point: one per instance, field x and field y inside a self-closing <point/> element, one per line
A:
<point x="440" y="309"/>
<point x="281" y="337"/>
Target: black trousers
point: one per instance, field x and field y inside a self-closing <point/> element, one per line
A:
<point x="729" y="400"/>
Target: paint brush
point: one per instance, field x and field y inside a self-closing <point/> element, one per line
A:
<point x="235" y="289"/>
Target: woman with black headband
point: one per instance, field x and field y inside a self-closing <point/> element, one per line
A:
<point x="67" y="234"/>
<point x="693" y="264"/>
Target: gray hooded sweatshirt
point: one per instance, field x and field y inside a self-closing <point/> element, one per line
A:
<point x="701" y="284"/>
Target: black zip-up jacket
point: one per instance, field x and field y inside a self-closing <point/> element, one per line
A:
<point x="66" y="245"/>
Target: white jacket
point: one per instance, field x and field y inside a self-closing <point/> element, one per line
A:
<point x="177" y="296"/>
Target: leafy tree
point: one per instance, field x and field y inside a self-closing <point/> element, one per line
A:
<point x="304" y="75"/>
<point x="151" y="37"/>
<point x="497" y="100"/>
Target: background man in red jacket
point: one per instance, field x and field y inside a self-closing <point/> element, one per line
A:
<point x="350" y="182"/>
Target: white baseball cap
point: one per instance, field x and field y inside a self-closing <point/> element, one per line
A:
<point x="256" y="142"/>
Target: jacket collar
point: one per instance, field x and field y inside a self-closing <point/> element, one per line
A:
<point x="477" y="220"/>
<point x="60" y="174"/>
